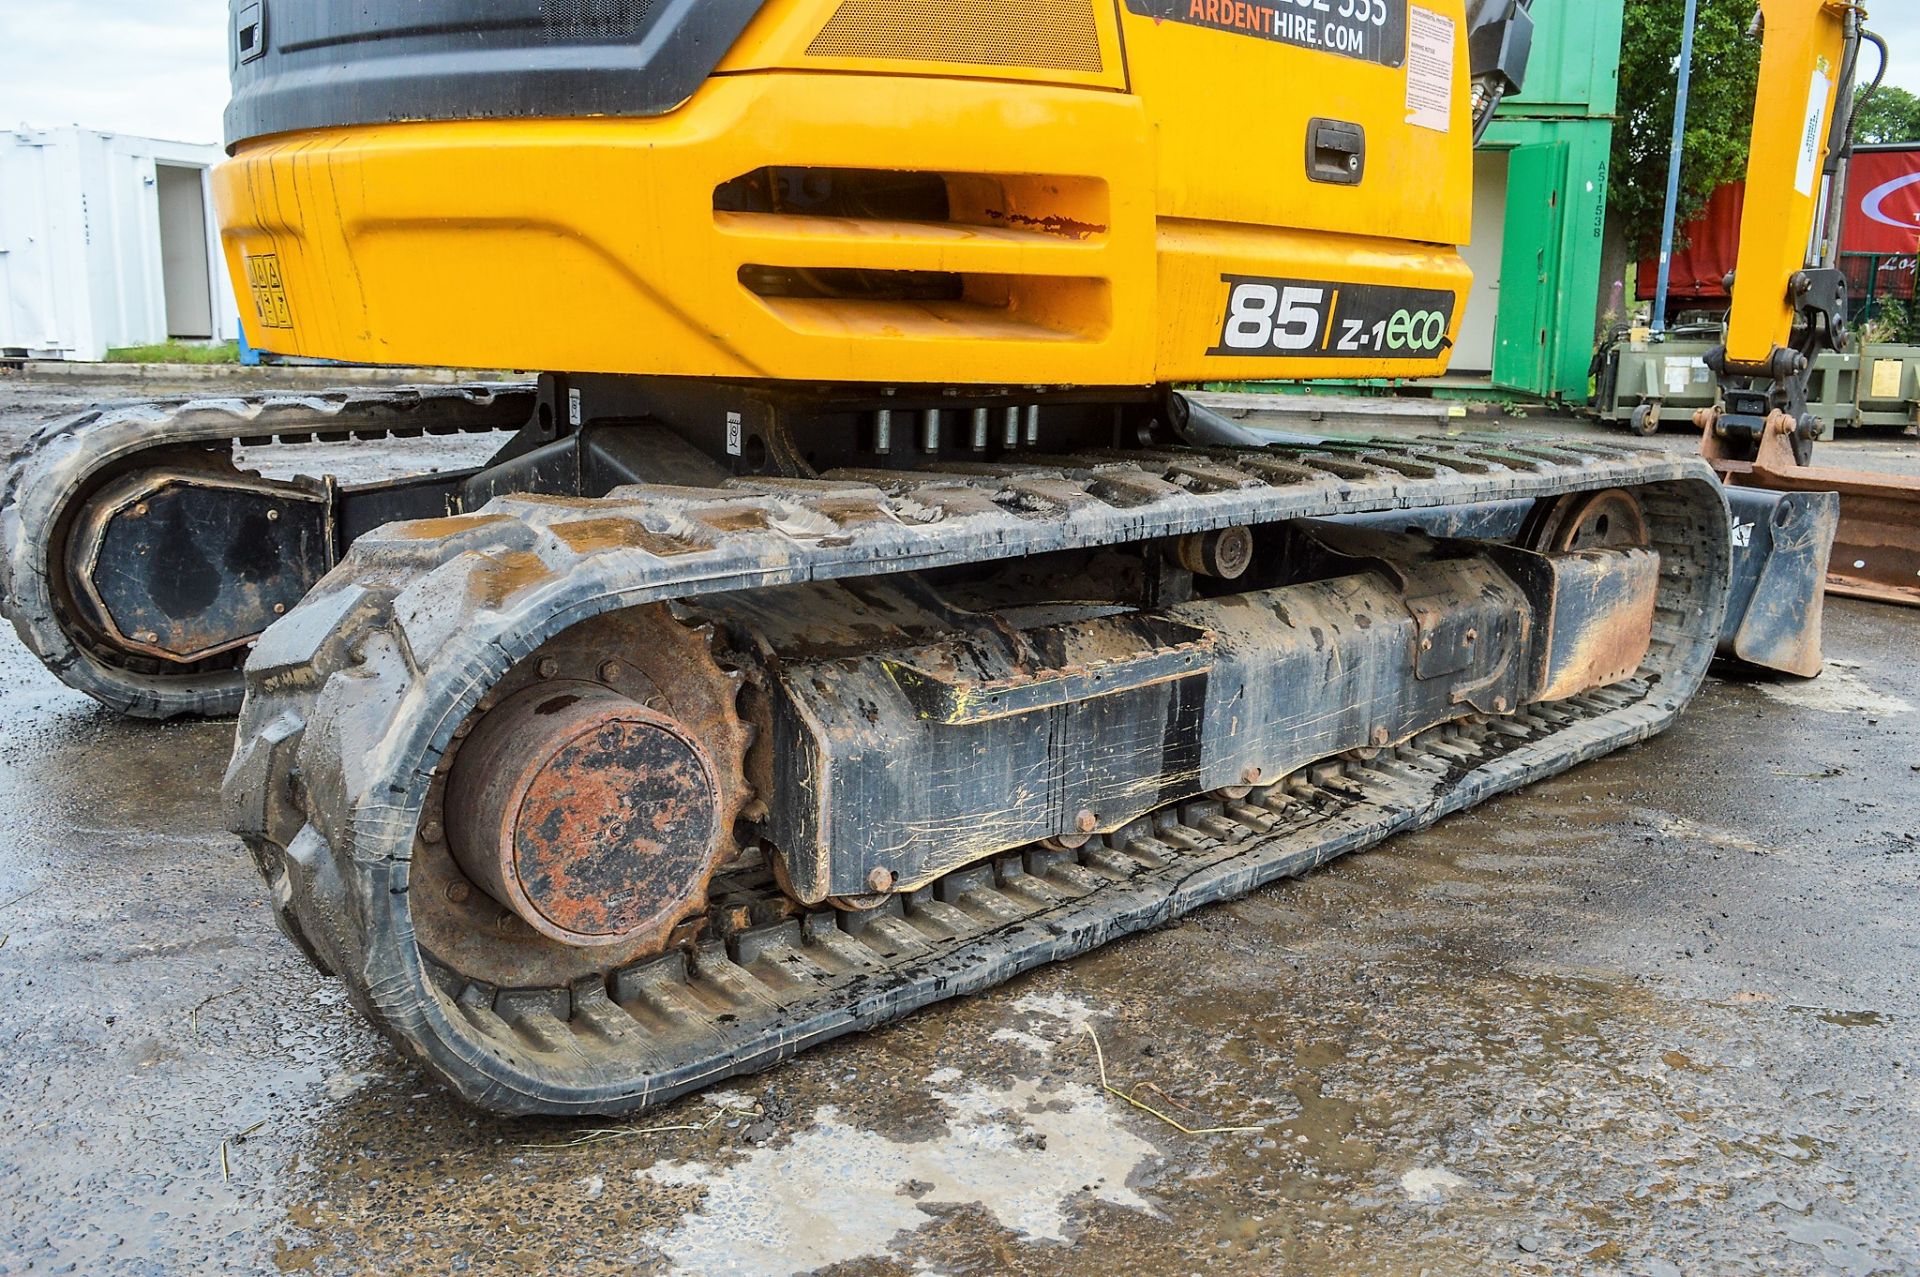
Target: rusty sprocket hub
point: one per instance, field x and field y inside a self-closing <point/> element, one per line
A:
<point x="582" y="810"/>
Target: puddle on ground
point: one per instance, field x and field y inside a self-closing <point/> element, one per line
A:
<point x="1028" y="1154"/>
<point x="1047" y="1019"/>
<point x="1683" y="830"/>
<point x="1843" y="1019"/>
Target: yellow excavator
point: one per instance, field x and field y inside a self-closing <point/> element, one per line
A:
<point x="856" y="617"/>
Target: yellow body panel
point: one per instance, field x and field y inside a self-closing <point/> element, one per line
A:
<point x="1799" y="81"/>
<point x="1099" y="220"/>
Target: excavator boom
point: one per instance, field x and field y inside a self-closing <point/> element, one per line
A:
<point x="1808" y="45"/>
<point x="1790" y="302"/>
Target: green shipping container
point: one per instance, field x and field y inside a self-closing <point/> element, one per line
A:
<point x="1558" y="140"/>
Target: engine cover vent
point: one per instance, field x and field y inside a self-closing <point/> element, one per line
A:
<point x="570" y="21"/>
<point x="1055" y="35"/>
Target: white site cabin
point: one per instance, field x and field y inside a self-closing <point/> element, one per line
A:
<point x="107" y="240"/>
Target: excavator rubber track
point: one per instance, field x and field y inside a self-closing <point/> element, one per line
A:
<point x="53" y="475"/>
<point x="358" y="693"/>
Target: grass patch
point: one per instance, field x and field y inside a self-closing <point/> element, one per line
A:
<point x="177" y="352"/>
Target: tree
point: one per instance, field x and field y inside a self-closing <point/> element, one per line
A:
<point x="1890" y="115"/>
<point x="1726" y="71"/>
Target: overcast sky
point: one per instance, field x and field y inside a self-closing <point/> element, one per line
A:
<point x="158" y="67"/>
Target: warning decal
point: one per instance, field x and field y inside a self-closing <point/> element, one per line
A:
<point x="1370" y="30"/>
<point x="269" y="294"/>
<point x="1430" y="71"/>
<point x="1888" y="378"/>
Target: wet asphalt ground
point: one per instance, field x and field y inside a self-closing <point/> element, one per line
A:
<point x="1658" y="1015"/>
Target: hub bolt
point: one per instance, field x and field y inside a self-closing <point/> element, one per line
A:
<point x="431" y="831"/>
<point x="548" y="667"/>
<point x="609" y="671"/>
<point x="459" y="892"/>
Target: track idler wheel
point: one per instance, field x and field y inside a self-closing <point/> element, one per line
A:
<point x="1611" y="519"/>
<point x="592" y="818"/>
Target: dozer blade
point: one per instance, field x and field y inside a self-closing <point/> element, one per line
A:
<point x="852" y="809"/>
<point x="1876" y="548"/>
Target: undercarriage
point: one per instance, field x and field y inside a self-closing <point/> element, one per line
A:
<point x="706" y="723"/>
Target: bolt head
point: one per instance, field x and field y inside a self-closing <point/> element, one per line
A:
<point x="1499" y="704"/>
<point x="1252" y="775"/>
<point x="881" y="880"/>
<point x="548" y="667"/>
<point x="1086" y="822"/>
<point x="610" y="671"/>
<point x="432" y="831"/>
<point x="459" y="892"/>
<point x="1380" y="737"/>
<point x="273" y="516"/>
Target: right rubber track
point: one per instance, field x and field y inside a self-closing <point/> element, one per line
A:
<point x="69" y="457"/>
<point x="354" y="696"/>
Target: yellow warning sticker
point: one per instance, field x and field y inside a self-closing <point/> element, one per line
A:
<point x="269" y="294"/>
<point x="1887" y="378"/>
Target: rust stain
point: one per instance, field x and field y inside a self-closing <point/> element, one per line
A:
<point x="1052" y="224"/>
<point x="591" y="817"/>
<point x="1601" y="621"/>
<point x="615" y="830"/>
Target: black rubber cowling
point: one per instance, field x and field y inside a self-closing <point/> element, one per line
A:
<point x="314" y="64"/>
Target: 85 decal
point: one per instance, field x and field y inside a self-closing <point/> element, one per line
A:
<point x="1318" y="319"/>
